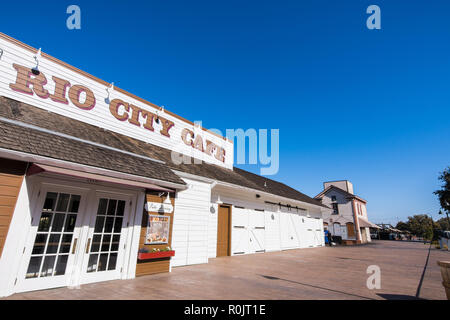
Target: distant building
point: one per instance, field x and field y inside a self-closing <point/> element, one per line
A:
<point x="349" y="216"/>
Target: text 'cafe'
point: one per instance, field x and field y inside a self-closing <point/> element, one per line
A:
<point x="91" y="190"/>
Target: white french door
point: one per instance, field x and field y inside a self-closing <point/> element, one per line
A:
<point x="103" y="253"/>
<point x="77" y="236"/>
<point x="51" y="249"/>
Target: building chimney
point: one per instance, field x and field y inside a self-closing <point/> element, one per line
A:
<point x="341" y="184"/>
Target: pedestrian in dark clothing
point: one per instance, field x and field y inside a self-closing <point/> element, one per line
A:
<point x="330" y="238"/>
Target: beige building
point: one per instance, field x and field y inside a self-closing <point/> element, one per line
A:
<point x="349" y="218"/>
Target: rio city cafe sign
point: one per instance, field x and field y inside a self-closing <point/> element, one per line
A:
<point x="31" y="82"/>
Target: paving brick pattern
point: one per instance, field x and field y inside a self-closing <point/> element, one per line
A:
<point x="318" y="273"/>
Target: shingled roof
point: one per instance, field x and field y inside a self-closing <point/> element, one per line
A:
<point x="23" y="139"/>
<point x="19" y="111"/>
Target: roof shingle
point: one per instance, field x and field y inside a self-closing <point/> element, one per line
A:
<point x="25" y="113"/>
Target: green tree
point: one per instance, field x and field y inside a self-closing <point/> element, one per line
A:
<point x="443" y="224"/>
<point x="402" y="226"/>
<point x="420" y="225"/>
<point x="444" y="193"/>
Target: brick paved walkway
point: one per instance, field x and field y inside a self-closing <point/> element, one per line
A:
<point x="320" y="273"/>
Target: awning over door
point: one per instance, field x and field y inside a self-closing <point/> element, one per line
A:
<point x="39" y="168"/>
<point x="367" y="224"/>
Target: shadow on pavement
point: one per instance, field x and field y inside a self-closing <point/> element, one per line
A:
<point x="388" y="296"/>
<point x="317" y="287"/>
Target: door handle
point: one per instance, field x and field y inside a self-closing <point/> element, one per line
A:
<point x="74" y="245"/>
<point x="88" y="245"/>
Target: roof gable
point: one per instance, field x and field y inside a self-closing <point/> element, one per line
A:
<point x="348" y="194"/>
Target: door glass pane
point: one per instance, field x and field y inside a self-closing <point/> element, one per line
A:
<point x="39" y="243"/>
<point x="103" y="262"/>
<point x="44" y="221"/>
<point x="34" y="267"/>
<point x="61" y="265"/>
<point x="106" y="242"/>
<point x="92" y="264"/>
<point x="66" y="243"/>
<point x="47" y="267"/>
<point x="115" y="243"/>
<point x="118" y="225"/>
<point x="70" y="222"/>
<point x="109" y="224"/>
<point x="102" y="206"/>
<point x="112" y="261"/>
<point x="106" y="237"/>
<point x="74" y="203"/>
<point x="112" y="207"/>
<point x="63" y="201"/>
<point x="53" y="243"/>
<point x="50" y="201"/>
<point x="99" y="222"/>
<point x="58" y="222"/>
<point x="51" y="247"/>
<point x="96" y="240"/>
<point x="120" y="208"/>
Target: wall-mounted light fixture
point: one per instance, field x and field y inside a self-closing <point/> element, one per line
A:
<point x="37" y="58"/>
<point x="157" y="114"/>
<point x="167" y="201"/>
<point x="218" y="200"/>
<point x="109" y="90"/>
<point x="1" y="53"/>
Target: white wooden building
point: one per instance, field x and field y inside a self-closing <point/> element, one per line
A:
<point x="92" y="186"/>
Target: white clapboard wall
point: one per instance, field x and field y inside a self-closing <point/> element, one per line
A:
<point x="257" y="226"/>
<point x="190" y="224"/>
<point x="100" y="115"/>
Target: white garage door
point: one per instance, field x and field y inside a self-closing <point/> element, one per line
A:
<point x="318" y="233"/>
<point x="309" y="233"/>
<point x="301" y="226"/>
<point x="289" y="232"/>
<point x="272" y="231"/>
<point x="248" y="231"/>
<point x="257" y="231"/>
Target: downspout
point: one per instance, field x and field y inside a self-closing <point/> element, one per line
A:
<point x="355" y="217"/>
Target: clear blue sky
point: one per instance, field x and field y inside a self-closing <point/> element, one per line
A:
<point x="370" y="106"/>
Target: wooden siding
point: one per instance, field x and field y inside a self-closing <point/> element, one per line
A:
<point x="145" y="267"/>
<point x="11" y="177"/>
